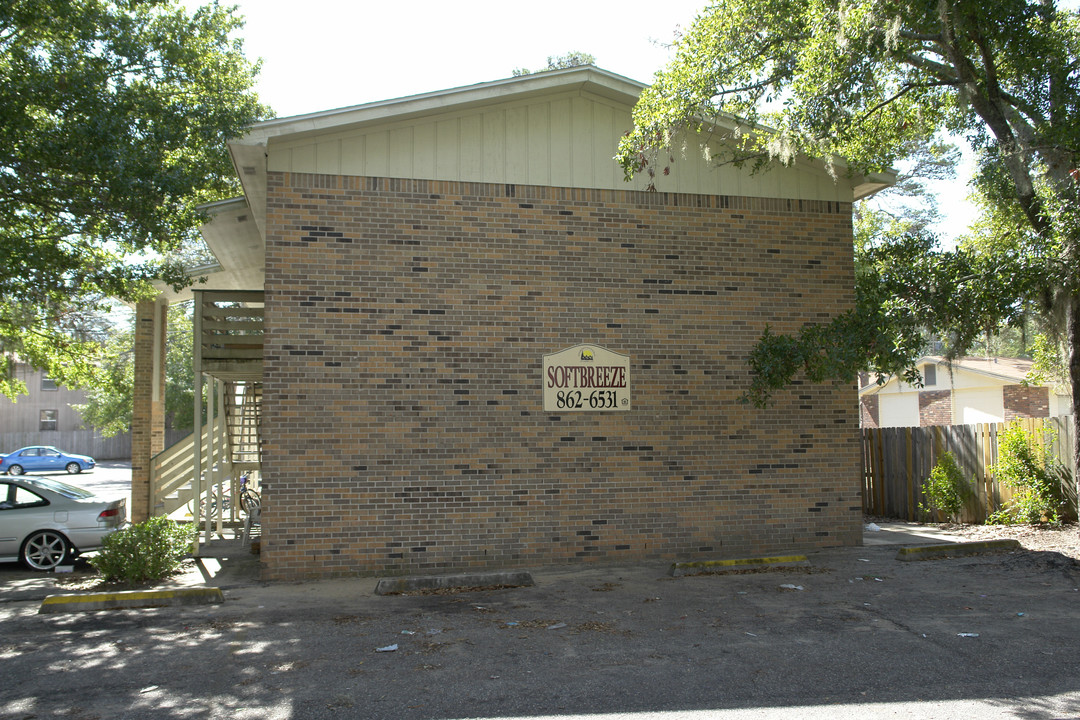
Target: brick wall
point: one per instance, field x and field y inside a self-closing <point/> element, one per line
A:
<point x="1025" y="402"/>
<point x="148" y="403"/>
<point x="935" y="407"/>
<point x="870" y="408"/>
<point x="406" y="322"/>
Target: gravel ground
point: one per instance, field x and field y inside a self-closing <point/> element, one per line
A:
<point x="1064" y="539"/>
<point x="858" y="634"/>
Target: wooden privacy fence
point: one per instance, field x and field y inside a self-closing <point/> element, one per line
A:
<point x="896" y="461"/>
<point x="80" y="442"/>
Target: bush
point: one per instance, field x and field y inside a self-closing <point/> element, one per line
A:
<point x="1034" y="475"/>
<point x="945" y="489"/>
<point x="145" y="551"/>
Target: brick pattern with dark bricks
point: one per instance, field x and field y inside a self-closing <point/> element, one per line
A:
<point x="1025" y="402"/>
<point x="406" y="323"/>
<point x="935" y="407"/>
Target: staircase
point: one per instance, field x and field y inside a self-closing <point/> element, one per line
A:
<point x="243" y="423"/>
<point x="236" y="439"/>
<point x="229" y="328"/>
<point x="171" y="472"/>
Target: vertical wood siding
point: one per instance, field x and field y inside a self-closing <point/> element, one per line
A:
<point x="567" y="140"/>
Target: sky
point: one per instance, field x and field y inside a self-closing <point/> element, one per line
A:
<point x="325" y="54"/>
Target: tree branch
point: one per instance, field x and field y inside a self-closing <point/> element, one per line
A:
<point x="921" y="37"/>
<point x="906" y="89"/>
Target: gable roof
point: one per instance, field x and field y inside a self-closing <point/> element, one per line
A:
<point x="249" y="153"/>
<point x="235" y="233"/>
<point x="581" y="89"/>
<point x="996" y="370"/>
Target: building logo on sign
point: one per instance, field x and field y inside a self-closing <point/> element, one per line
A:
<point x="586" y="378"/>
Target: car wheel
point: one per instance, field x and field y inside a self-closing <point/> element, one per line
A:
<point x="73" y="468"/>
<point x="44" y="550"/>
<point x="15" y="470"/>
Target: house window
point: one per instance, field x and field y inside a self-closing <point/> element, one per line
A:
<point x="48" y="420"/>
<point x="47" y="383"/>
<point x="930" y="375"/>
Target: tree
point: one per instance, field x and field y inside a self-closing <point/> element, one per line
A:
<point x="113" y="121"/>
<point x="867" y="81"/>
<point x="560" y="62"/>
<point x="109" y="401"/>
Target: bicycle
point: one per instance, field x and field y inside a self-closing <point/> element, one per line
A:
<point x="249" y="499"/>
<point x="225" y="505"/>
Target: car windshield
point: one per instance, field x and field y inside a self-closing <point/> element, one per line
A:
<point x="69" y="491"/>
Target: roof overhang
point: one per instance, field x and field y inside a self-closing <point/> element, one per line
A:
<point x="874" y="183"/>
<point x="233" y="238"/>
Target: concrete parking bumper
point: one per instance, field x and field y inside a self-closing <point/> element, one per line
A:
<point x="398" y="586"/>
<point x="83" y="602"/>
<point x="928" y="552"/>
<point x="680" y="569"/>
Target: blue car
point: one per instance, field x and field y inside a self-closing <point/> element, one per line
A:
<point x="43" y="458"/>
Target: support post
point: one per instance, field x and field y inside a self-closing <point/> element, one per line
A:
<point x="222" y="456"/>
<point x="196" y="363"/>
<point x="148" y="403"/>
<point x="211" y="459"/>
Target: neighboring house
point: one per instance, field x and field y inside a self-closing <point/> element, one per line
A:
<point x="46" y="408"/>
<point x="45" y="416"/>
<point x="962" y="392"/>
<point x="478" y="346"/>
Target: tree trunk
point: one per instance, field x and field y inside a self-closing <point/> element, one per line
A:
<point x="1072" y="330"/>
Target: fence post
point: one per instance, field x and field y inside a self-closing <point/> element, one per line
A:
<point x="868" y="470"/>
<point x="879" y="485"/>
<point x="911" y="509"/>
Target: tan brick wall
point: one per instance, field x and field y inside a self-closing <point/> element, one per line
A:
<point x="148" y="403"/>
<point x="406" y="324"/>
<point x="870" y="407"/>
<point x="1025" y="402"/>
<point x="935" y="407"/>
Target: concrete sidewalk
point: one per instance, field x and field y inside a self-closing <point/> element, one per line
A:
<point x="228" y="563"/>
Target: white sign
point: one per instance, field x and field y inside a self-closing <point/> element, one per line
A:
<point x="584" y="378"/>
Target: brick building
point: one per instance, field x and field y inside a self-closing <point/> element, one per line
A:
<point x="966" y="391"/>
<point x="425" y="260"/>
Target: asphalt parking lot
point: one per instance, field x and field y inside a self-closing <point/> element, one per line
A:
<point x="856" y="634"/>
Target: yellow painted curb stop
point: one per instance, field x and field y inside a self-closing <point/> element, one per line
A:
<point x="124" y="599"/>
<point x="717" y="566"/>
<point x="928" y="552"/>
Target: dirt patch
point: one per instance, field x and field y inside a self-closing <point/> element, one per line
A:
<point x="1064" y="539"/>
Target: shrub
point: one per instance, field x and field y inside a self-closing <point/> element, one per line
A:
<point x="1034" y="475"/>
<point x="945" y="489"/>
<point x="149" y="550"/>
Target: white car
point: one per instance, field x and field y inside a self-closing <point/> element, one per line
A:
<point x="45" y="523"/>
